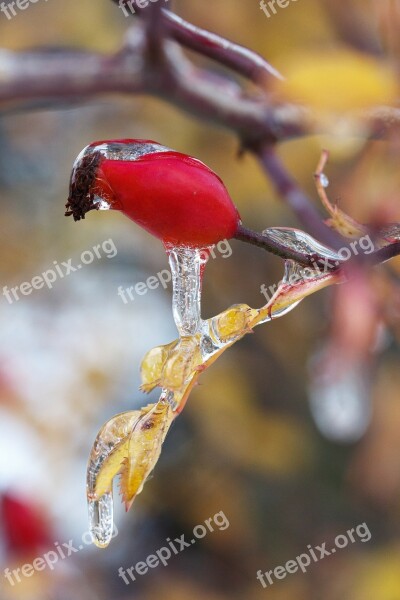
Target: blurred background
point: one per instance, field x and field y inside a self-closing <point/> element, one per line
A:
<point x="293" y="433"/>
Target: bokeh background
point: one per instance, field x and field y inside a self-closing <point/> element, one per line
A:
<point x="247" y="443"/>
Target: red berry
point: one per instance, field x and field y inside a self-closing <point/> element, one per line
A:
<point x="175" y="197"/>
<point x="26" y="531"/>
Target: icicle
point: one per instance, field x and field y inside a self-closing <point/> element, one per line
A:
<point x="101" y="522"/>
<point x="186" y="266"/>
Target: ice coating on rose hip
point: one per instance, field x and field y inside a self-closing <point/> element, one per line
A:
<point x="175" y="197"/>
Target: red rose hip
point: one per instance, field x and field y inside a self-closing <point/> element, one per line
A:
<point x="175" y="197"/>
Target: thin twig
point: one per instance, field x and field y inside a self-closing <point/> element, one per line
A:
<point x="295" y="198"/>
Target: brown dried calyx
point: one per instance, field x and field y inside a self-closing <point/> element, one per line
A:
<point x="82" y="194"/>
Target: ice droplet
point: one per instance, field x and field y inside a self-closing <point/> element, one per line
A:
<point x="101" y="523"/>
<point x="340" y="402"/>
<point x="186" y="267"/>
<point x="102" y="204"/>
<point x="324" y="180"/>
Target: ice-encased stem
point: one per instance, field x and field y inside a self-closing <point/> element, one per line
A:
<point x="186" y="268"/>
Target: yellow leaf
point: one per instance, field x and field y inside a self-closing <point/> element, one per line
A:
<point x="144" y="447"/>
<point x="337" y="81"/>
<point x="108" y="452"/>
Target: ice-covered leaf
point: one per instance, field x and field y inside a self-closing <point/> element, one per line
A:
<point x="298" y="283"/>
<point x="233" y="323"/>
<point x="129" y="444"/>
<point x="107" y="454"/>
<point x="144" y="447"/>
<point x="170" y="366"/>
<point x="152" y="366"/>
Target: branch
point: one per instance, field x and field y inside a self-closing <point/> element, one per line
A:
<point x="238" y="58"/>
<point x="386" y="253"/>
<point x="65" y="73"/>
<point x="69" y="74"/>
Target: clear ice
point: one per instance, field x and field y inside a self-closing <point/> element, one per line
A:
<point x="101" y="522"/>
<point x="186" y="268"/>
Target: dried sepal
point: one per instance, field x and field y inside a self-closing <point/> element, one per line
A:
<point x="82" y="189"/>
<point x="339" y="221"/>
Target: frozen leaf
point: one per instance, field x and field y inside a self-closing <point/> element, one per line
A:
<point x="170" y="366"/>
<point x="298" y="283"/>
<point x="233" y="323"/>
<point x="129" y="444"/>
<point x="144" y="447"/>
<point x="182" y="361"/>
<point x="108" y="452"/>
<point x="152" y="366"/>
